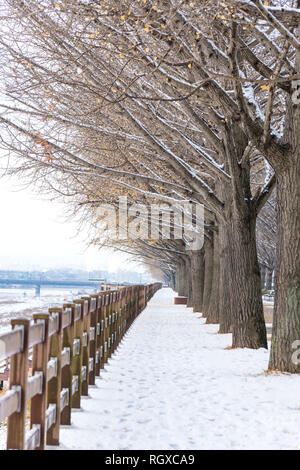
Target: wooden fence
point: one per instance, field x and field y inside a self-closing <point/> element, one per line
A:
<point x="69" y="346"/>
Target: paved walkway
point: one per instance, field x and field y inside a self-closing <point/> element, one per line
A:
<point x="172" y="384"/>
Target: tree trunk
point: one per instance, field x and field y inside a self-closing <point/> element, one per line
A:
<point x="172" y="281"/>
<point x="263" y="275"/>
<point x="189" y="282"/>
<point x="285" y="349"/>
<point x="269" y="279"/>
<point x="177" y="279"/>
<point x="248" y="325"/>
<point x="181" y="279"/>
<point x="208" y="275"/>
<point x="225" y="318"/>
<point x="197" y="266"/>
<point x="213" y="310"/>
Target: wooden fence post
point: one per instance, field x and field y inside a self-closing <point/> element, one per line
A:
<point x="18" y="378"/>
<point x="85" y="346"/>
<point x="77" y="358"/>
<point x="109" y="330"/>
<point x="91" y="329"/>
<point x="119" y="314"/>
<point x="97" y="342"/>
<point x="54" y="385"/>
<point x="106" y="328"/>
<point x="102" y="335"/>
<point x="66" y="372"/>
<point x="127" y="309"/>
<point x="114" y="322"/>
<point x="39" y="402"/>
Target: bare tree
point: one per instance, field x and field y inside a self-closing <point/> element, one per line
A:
<point x="166" y="100"/>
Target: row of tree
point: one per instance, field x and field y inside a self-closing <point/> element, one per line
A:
<point x="170" y="101"/>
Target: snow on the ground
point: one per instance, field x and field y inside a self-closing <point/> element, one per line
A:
<point x="3" y="436"/>
<point x="173" y="385"/>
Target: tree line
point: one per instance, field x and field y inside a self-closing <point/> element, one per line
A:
<point x="170" y="101"/>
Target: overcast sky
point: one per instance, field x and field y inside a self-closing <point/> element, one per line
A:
<point x="34" y="234"/>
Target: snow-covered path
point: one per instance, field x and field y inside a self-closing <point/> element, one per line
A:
<point x="173" y="385"/>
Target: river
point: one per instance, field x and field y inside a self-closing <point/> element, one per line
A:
<point x="24" y="302"/>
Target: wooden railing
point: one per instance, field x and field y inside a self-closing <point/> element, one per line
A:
<point x="69" y="346"/>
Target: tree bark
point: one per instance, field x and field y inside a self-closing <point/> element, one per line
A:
<point x="208" y="274"/>
<point x="213" y="310"/>
<point x="181" y="279"/>
<point x="171" y="280"/>
<point x="263" y="275"/>
<point x="285" y="351"/>
<point x="285" y="348"/>
<point x="197" y="266"/>
<point x="188" y="282"/>
<point x="269" y="279"/>
<point x="176" y="279"/>
<point x="225" y="295"/>
<point x="248" y="325"/>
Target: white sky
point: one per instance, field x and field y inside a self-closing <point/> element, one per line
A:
<point x="34" y="234"/>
